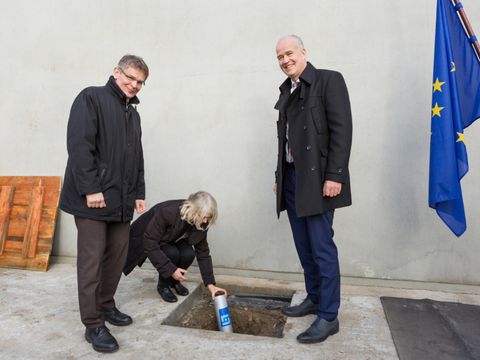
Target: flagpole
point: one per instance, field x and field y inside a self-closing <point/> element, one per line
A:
<point x="468" y="27"/>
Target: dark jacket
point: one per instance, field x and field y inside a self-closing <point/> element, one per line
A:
<point x="320" y="137"/>
<point x="162" y="225"/>
<point x="104" y="154"/>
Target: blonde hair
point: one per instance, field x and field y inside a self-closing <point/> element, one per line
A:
<point x="197" y="206"/>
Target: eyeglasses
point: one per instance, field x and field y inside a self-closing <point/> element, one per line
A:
<point x="132" y="78"/>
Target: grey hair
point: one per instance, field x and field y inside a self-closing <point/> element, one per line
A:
<point x="296" y="38"/>
<point x="134" y="61"/>
<point x="197" y="206"/>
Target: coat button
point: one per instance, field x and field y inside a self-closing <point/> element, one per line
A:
<point x="302" y="108"/>
<point x="304" y="127"/>
<point x="339" y="171"/>
<point x="313" y="168"/>
<point x="308" y="147"/>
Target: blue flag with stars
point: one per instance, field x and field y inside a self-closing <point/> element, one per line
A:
<point x="455" y="105"/>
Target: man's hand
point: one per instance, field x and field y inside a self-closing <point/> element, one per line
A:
<point x="331" y="188"/>
<point x="179" y="274"/>
<point x="96" y="200"/>
<point x="140" y="206"/>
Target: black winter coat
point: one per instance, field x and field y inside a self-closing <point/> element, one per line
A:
<point x="320" y="137"/>
<point x="162" y="225"/>
<point x="104" y="154"/>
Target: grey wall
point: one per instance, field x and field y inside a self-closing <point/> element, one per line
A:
<point x="209" y="122"/>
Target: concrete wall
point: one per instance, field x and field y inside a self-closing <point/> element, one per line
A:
<point x="209" y="122"/>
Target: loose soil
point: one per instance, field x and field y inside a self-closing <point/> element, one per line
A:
<point x="250" y="315"/>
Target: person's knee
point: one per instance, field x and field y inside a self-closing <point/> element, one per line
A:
<point x="172" y="253"/>
<point x="187" y="255"/>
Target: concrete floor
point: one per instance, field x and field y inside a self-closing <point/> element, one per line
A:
<point x="39" y="319"/>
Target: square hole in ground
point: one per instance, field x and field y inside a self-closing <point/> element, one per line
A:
<point x="253" y="311"/>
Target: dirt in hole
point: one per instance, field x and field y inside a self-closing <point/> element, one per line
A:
<point x="259" y="316"/>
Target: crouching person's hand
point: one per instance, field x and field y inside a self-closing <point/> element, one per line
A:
<point x="214" y="289"/>
<point x="179" y="274"/>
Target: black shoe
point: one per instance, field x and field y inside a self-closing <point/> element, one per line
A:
<point x="180" y="289"/>
<point x="307" y="307"/>
<point x="116" y="317"/>
<point x="101" y="339"/>
<point x="319" y="331"/>
<point x="167" y="294"/>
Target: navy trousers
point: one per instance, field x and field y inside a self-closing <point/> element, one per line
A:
<point x="313" y="236"/>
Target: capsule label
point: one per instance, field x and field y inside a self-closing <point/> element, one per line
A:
<point x="224" y="317"/>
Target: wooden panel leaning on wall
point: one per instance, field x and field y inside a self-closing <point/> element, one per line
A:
<point x="28" y="213"/>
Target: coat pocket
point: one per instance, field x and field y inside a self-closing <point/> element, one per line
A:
<point x="102" y="172"/>
<point x="323" y="161"/>
<point x="319" y="119"/>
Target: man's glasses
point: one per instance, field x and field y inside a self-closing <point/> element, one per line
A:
<point x="132" y="78"/>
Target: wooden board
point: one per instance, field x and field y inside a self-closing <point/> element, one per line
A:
<point x="28" y="213"/>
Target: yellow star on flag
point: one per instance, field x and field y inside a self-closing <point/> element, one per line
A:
<point x="461" y="137"/>
<point x="437" y="85"/>
<point x="436" y="110"/>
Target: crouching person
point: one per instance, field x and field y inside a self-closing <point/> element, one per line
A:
<point x="171" y="234"/>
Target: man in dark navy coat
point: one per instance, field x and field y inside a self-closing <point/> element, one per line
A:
<point x="312" y="179"/>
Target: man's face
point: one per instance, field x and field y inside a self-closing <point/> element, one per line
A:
<point x="129" y="79"/>
<point x="291" y="57"/>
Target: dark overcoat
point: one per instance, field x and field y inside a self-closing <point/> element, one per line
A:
<point x="162" y="225"/>
<point x="104" y="154"/>
<point x="320" y="136"/>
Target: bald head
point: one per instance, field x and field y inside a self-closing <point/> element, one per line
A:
<point x="296" y="38"/>
<point x="292" y="56"/>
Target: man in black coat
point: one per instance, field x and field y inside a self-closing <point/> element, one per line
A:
<point x="312" y="179"/>
<point x="104" y="183"/>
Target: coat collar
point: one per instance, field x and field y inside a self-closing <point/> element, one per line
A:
<point x="307" y="77"/>
<point x="112" y="85"/>
<point x="194" y="235"/>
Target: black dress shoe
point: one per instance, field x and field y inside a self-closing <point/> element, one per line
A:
<point x="319" y="331"/>
<point x="116" y="317"/>
<point x="101" y="339"/>
<point x="307" y="307"/>
<point x="180" y="289"/>
<point x="167" y="294"/>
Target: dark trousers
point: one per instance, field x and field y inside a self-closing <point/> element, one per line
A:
<point x="101" y="253"/>
<point x="181" y="254"/>
<point x="313" y="236"/>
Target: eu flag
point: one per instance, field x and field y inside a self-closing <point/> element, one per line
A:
<point x="455" y="105"/>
